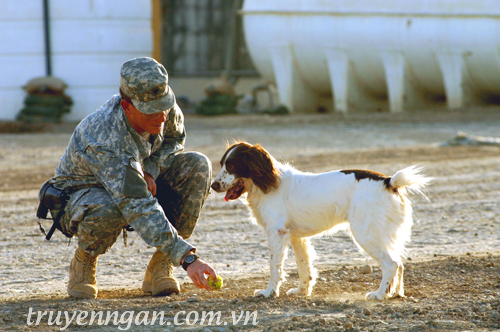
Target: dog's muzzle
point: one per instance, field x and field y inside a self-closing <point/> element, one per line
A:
<point x="215" y="186"/>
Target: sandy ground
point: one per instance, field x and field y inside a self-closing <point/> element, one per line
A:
<point x="453" y="273"/>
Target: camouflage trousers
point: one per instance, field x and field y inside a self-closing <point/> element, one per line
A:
<point x="182" y="189"/>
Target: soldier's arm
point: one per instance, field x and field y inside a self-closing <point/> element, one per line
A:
<point x="123" y="179"/>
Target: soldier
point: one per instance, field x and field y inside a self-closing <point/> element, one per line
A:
<point x="125" y="167"/>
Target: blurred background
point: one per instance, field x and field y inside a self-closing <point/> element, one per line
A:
<point x="61" y="59"/>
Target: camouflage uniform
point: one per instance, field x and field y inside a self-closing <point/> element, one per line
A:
<point x="103" y="170"/>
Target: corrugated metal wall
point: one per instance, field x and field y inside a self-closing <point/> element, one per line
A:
<point x="204" y="38"/>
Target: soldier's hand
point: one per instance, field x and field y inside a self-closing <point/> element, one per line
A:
<point x="197" y="270"/>
<point x="151" y="183"/>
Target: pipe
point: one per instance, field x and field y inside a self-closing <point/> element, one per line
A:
<point x="46" y="25"/>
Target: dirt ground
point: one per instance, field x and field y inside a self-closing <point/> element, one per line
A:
<point x="452" y="276"/>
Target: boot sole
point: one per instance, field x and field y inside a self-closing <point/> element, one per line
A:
<point x="146" y="287"/>
<point x="83" y="294"/>
<point x="165" y="287"/>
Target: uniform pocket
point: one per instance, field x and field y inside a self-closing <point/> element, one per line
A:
<point x="134" y="185"/>
<point x="74" y="212"/>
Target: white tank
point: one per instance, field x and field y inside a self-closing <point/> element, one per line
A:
<point x="376" y="54"/>
<point x="90" y="39"/>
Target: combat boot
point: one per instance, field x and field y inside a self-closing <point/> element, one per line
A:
<point x="82" y="283"/>
<point x="159" y="279"/>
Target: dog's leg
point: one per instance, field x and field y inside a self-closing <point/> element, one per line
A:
<point x="381" y="233"/>
<point x="391" y="279"/>
<point x="278" y="241"/>
<point x="304" y="254"/>
<point x="399" y="289"/>
<point x="390" y="263"/>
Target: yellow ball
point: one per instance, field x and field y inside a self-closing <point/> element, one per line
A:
<point x="215" y="285"/>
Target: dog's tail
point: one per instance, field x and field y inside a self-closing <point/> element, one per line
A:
<point x="412" y="179"/>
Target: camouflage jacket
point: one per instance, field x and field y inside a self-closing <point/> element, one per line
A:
<point x="105" y="151"/>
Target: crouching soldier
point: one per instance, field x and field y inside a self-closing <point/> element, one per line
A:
<point x="125" y="167"/>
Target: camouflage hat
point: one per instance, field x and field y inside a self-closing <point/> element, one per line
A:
<point x="145" y="81"/>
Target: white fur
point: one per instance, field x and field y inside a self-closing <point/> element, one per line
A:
<point x="306" y="204"/>
<point x="224" y="178"/>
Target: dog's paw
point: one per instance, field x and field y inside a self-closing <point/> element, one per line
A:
<point x="297" y="291"/>
<point x="374" y="296"/>
<point x="266" y="293"/>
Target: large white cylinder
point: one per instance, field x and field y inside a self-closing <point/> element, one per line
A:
<point x="376" y="54"/>
<point x="90" y="39"/>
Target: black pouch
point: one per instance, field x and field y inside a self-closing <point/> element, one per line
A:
<point x="53" y="200"/>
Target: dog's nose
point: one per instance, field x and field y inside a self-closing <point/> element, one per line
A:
<point x="216" y="186"/>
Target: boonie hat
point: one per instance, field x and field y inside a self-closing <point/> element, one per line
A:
<point x="145" y="81"/>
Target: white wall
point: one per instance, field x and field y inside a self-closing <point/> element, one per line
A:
<point x="90" y="39"/>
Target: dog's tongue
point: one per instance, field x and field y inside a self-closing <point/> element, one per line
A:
<point x="231" y="193"/>
<point x="235" y="191"/>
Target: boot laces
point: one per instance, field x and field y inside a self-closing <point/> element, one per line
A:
<point x="165" y="264"/>
<point x="90" y="262"/>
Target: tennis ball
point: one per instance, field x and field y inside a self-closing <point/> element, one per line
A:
<point x="215" y="285"/>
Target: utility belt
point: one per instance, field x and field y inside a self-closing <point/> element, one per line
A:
<point x="53" y="200"/>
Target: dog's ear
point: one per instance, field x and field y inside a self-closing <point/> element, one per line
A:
<point x="238" y="146"/>
<point x="262" y="170"/>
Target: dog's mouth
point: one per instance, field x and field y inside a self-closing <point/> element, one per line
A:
<point x="235" y="191"/>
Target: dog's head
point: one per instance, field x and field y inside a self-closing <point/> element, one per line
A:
<point x="242" y="166"/>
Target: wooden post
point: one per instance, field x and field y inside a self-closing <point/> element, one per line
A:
<point x="156" y="24"/>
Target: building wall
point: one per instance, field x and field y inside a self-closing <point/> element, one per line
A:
<point x="90" y="39"/>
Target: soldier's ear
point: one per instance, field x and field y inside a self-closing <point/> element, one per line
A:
<point x="126" y="106"/>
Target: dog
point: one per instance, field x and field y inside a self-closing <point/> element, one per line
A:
<point x="293" y="206"/>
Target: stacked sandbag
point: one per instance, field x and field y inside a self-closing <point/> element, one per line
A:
<point x="46" y="100"/>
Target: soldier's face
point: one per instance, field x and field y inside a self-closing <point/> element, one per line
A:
<point x="152" y="123"/>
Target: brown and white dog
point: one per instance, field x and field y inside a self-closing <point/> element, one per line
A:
<point x="292" y="206"/>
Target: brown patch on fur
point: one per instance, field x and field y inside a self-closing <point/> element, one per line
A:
<point x="262" y="170"/>
<point x="254" y="162"/>
<point x="237" y="146"/>
<point x="361" y="174"/>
